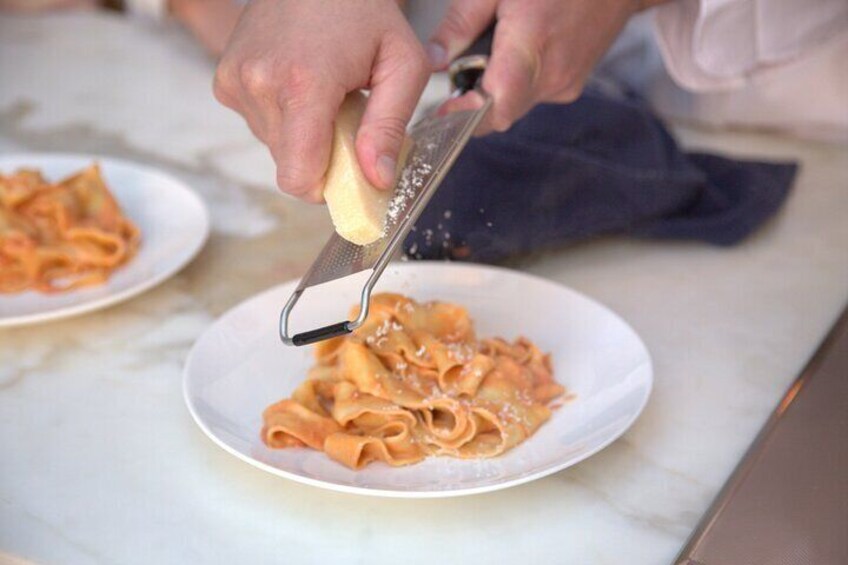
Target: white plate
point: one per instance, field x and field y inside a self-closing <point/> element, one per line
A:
<point x="174" y="226"/>
<point x="239" y="366"/>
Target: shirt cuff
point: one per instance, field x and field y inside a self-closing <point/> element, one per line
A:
<point x="714" y="45"/>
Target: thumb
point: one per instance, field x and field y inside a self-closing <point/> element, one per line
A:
<point x="397" y="80"/>
<point x="463" y="22"/>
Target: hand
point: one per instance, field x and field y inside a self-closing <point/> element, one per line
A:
<point x="290" y="64"/>
<point x="543" y="50"/>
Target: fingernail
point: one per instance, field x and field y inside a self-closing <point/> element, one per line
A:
<point x="437" y="55"/>
<point x="386" y="168"/>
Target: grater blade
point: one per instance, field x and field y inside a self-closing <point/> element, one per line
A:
<point x="436" y="142"/>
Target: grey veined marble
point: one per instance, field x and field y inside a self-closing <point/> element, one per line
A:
<point x="101" y="462"/>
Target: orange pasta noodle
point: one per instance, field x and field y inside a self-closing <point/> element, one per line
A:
<point x="57" y="237"/>
<point x="414" y="382"/>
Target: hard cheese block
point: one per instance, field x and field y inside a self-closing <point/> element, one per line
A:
<point x="357" y="208"/>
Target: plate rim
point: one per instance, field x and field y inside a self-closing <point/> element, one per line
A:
<point x="134" y="290"/>
<point x="421" y="494"/>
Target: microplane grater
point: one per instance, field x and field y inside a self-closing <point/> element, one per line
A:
<point x="435" y="143"/>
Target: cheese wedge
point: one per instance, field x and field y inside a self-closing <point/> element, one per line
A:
<point x="357" y="208"/>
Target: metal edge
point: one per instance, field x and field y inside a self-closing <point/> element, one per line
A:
<point x="751" y="456"/>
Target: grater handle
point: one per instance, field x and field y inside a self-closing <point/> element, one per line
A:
<point x="466" y="70"/>
<point x="333" y="330"/>
<point x="320" y="334"/>
<point x="483" y="44"/>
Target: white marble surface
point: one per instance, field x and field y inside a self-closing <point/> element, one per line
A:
<point x="101" y="462"/>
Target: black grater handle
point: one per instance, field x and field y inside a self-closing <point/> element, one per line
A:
<point x="320" y="334"/>
<point x="467" y="69"/>
<point x="483" y="44"/>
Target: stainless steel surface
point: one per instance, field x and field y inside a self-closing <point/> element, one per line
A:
<point x="787" y="501"/>
<point x="436" y="142"/>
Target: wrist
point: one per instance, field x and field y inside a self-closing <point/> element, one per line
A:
<point x="180" y="9"/>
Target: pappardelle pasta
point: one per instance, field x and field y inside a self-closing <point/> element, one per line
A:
<point x="59" y="236"/>
<point x="414" y="381"/>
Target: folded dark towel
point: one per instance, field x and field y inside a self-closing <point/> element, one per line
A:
<point x="604" y="164"/>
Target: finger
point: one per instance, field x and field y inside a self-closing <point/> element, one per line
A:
<point x="229" y="91"/>
<point x="226" y="85"/>
<point x="512" y="74"/>
<point x="300" y="134"/>
<point x="471" y="100"/>
<point x="463" y="22"/>
<point x="398" y="78"/>
<point x="257" y="126"/>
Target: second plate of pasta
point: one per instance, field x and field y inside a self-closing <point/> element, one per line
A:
<point x="82" y="232"/>
<point x="585" y="376"/>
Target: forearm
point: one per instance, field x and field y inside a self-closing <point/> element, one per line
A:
<point x="44" y="5"/>
<point x="211" y="21"/>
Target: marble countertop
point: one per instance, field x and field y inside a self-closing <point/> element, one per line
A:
<point x="101" y="462"/>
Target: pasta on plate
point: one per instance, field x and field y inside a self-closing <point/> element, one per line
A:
<point x="60" y="236"/>
<point x="413" y="381"/>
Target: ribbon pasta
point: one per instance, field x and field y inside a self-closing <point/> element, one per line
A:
<point x="411" y="382"/>
<point x="57" y="237"/>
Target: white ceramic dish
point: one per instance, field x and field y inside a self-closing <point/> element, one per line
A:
<point x="239" y="366"/>
<point x="174" y="226"/>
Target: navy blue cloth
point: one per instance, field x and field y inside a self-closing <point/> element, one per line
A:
<point x="604" y="164"/>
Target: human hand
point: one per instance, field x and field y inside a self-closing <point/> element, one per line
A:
<point x="289" y="65"/>
<point x="543" y="50"/>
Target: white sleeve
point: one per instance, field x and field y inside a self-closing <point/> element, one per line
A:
<point x="710" y="45"/>
<point x="150" y="9"/>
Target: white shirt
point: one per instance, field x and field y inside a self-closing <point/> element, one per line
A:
<point x="151" y="9"/>
<point x="773" y="64"/>
<point x="778" y="64"/>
